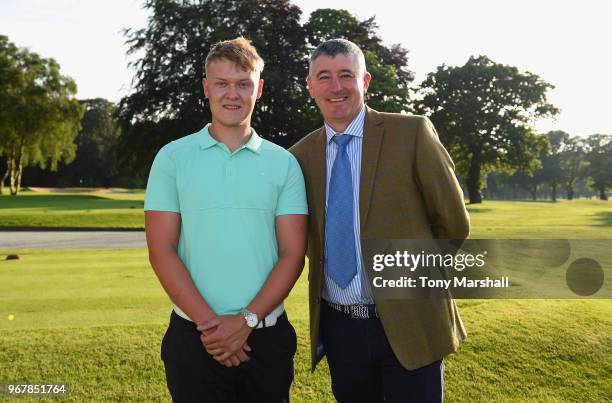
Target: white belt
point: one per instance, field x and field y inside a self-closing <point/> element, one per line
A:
<point x="268" y="321"/>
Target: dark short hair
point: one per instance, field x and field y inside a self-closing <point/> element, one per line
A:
<point x="337" y="46"/>
<point x="238" y="50"/>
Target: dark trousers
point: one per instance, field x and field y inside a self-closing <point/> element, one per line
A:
<point x="193" y="375"/>
<point x="364" y="369"/>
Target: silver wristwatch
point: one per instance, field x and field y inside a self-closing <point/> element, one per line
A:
<point x="251" y="318"/>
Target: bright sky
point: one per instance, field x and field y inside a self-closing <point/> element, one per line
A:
<point x="565" y="42"/>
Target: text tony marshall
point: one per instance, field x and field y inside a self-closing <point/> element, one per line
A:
<point x="426" y="282"/>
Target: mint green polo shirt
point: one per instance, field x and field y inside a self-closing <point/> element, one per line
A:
<point x="228" y="203"/>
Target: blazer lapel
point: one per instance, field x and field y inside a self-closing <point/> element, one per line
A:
<point x="373" y="130"/>
<point x="319" y="171"/>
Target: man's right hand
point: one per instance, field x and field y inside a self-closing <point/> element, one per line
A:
<point x="238" y="358"/>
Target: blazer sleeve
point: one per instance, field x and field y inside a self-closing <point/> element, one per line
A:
<point x="435" y="176"/>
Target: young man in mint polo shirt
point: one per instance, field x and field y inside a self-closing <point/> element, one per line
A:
<point x="225" y="217"/>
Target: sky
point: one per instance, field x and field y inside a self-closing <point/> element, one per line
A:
<point x="567" y="43"/>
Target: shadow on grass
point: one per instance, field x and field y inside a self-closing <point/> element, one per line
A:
<point x="473" y="209"/>
<point x="67" y="202"/>
<point x="539" y="201"/>
<point x="604" y="218"/>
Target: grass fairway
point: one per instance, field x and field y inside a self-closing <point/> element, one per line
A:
<point x="575" y="219"/>
<point x="113" y="209"/>
<point x="120" y="208"/>
<point x="95" y="319"/>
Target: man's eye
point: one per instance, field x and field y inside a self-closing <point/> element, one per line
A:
<point x="243" y="85"/>
<point x="220" y="84"/>
<point x="346" y="76"/>
<point x="323" y="78"/>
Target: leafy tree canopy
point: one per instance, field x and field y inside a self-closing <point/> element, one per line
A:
<point x="40" y="115"/>
<point x="484" y="111"/>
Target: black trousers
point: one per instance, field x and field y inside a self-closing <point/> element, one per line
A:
<point x="193" y="375"/>
<point x="364" y="368"/>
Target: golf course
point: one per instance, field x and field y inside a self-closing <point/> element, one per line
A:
<point x="94" y="319"/>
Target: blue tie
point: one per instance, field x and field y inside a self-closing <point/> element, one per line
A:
<point x="339" y="232"/>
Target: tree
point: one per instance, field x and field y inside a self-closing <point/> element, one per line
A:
<point x="530" y="173"/>
<point x="167" y="101"/>
<point x="483" y="111"/>
<point x="11" y="79"/>
<point x="572" y="163"/>
<point x="42" y="119"/>
<point x="95" y="163"/>
<point x="391" y="78"/>
<point x="551" y="163"/>
<point x="599" y="158"/>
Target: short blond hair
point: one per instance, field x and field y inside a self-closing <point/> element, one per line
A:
<point x="238" y="50"/>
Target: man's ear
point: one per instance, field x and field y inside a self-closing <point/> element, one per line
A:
<point x="205" y="87"/>
<point x="309" y="85"/>
<point x="260" y="85"/>
<point x="367" y="77"/>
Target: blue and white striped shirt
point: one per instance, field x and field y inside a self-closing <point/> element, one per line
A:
<point x="358" y="291"/>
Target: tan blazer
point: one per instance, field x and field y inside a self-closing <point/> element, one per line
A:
<point x="408" y="190"/>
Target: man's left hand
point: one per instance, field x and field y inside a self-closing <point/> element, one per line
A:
<point x="223" y="336"/>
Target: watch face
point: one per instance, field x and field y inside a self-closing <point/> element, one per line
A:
<point x="251" y="320"/>
<point x="250" y="317"/>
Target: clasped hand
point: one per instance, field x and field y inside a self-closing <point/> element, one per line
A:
<point x="224" y="337"/>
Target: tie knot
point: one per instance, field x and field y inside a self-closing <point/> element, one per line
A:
<point x="342" y="139"/>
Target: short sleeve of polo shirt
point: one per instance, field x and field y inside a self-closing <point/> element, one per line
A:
<point x="292" y="198"/>
<point x="162" y="194"/>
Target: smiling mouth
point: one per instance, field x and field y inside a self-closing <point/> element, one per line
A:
<point x="336" y="100"/>
<point x="231" y="107"/>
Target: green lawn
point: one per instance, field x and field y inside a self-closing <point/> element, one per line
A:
<point x="575" y="219"/>
<point x="95" y="319"/>
<point x="116" y="209"/>
<point x="120" y="208"/>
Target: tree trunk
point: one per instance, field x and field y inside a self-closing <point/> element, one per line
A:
<point x="13" y="180"/>
<point x="12" y="175"/>
<point x="19" y="173"/>
<point x="16" y="170"/>
<point x="570" y="192"/>
<point x="473" y="181"/>
<point x="554" y="191"/>
<point x="602" y="194"/>
<point x="534" y="192"/>
<point x="4" y="176"/>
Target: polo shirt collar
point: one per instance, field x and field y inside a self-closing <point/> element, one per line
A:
<point x="207" y="141"/>
<point x="355" y="128"/>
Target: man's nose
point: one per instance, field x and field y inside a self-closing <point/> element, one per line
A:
<point x="232" y="91"/>
<point x="335" y="84"/>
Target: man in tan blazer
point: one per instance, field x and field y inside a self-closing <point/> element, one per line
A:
<point x="372" y="175"/>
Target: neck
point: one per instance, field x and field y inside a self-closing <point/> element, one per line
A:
<point x="232" y="136"/>
<point x="338" y="127"/>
